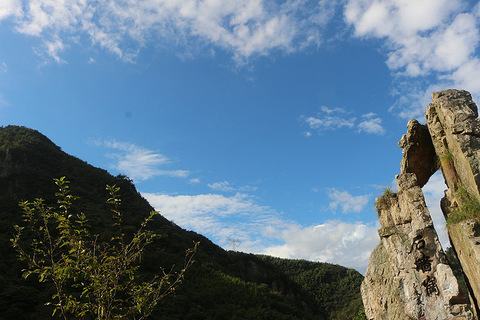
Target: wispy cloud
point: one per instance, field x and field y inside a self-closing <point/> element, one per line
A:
<point x="262" y="229"/>
<point x="226" y="186"/>
<point x="245" y="28"/>
<point x="212" y="214"/>
<point x="194" y="181"/>
<point x="347" y="202"/>
<point x="331" y="119"/>
<point x="3" y="67"/>
<point x="372" y="124"/>
<point x="338" y="118"/>
<point x="138" y="162"/>
<point x="221" y="186"/>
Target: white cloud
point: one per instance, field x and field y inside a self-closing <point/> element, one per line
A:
<point x="10" y="8"/>
<point x="138" y="162"/>
<point x="346" y="201"/>
<point x="398" y="18"/>
<point x="185" y="206"/>
<point x="262" y="230"/>
<point x="54" y="48"/>
<point x="338" y="118"/>
<point x="347" y="244"/>
<point x="330" y="119"/>
<point x="245" y="28"/>
<point x="194" y="181"/>
<point x="443" y="50"/>
<point x="329" y="110"/>
<point x="221" y="186"/>
<point x="466" y="77"/>
<point x="329" y="123"/>
<point x="226" y="186"/>
<point x="371" y="124"/>
<point x="211" y="214"/>
<point x="456" y="43"/>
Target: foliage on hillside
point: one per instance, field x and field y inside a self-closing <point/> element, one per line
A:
<point x="221" y="285"/>
<point x="334" y="287"/>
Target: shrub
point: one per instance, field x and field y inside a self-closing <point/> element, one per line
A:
<point x="469" y="207"/>
<point x="91" y="278"/>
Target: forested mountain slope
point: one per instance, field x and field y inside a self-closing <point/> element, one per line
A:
<point x="333" y="286"/>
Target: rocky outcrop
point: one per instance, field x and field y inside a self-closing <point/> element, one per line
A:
<point x="419" y="155"/>
<point x="408" y="276"/>
<point x="452" y="119"/>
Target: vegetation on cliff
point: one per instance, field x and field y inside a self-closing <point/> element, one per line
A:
<point x="469" y="207"/>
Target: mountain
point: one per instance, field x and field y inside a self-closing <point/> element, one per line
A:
<point x="220" y="285"/>
<point x="333" y="286"/>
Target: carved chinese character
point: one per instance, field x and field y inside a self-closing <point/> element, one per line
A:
<point x="423" y="263"/>
<point x="431" y="286"/>
<point x="418" y="243"/>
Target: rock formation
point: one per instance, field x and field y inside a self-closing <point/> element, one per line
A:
<point x="408" y="276"/>
<point x="452" y="119"/>
<point x="418" y="152"/>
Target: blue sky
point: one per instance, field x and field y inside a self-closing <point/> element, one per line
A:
<point x="274" y="123"/>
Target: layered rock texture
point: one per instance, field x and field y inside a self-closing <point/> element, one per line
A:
<point x="408" y="276"/>
<point x="452" y="119"/>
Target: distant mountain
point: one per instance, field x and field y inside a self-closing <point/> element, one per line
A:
<point x="221" y="285"/>
<point x="334" y="287"/>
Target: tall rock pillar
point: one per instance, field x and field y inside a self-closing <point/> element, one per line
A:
<point x="452" y="119"/>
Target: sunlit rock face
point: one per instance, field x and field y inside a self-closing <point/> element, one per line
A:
<point x="452" y="119"/>
<point x="408" y="276"/>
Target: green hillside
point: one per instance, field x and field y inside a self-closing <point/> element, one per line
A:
<point x="334" y="287"/>
<point x="221" y="285"/>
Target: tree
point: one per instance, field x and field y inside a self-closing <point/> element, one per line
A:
<point x="92" y="278"/>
